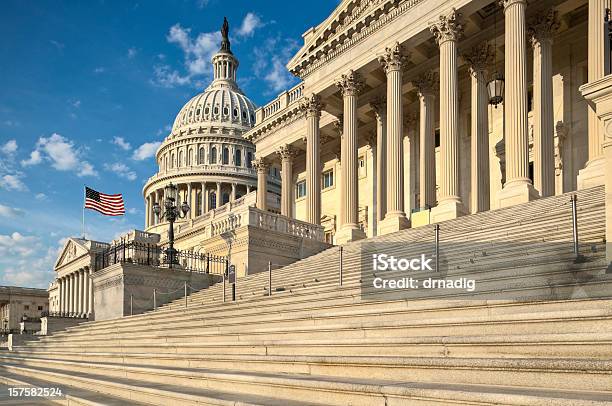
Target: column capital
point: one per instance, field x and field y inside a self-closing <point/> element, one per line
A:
<point x="479" y="57"/>
<point x="286" y="152"/>
<point x="543" y="26"/>
<point x="350" y="84"/>
<point x="508" y="3"/>
<point x="312" y="105"/>
<point x="393" y="58"/>
<point x="261" y="165"/>
<point x="449" y="27"/>
<point x="379" y="105"/>
<point x="427" y="83"/>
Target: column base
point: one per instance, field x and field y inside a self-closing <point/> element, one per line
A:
<point x="349" y="233"/>
<point x="393" y="222"/>
<point x="516" y="193"/>
<point x="447" y="210"/>
<point x="593" y="174"/>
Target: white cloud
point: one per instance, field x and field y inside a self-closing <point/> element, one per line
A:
<point x="122" y="143"/>
<point x="6" y="211"/>
<point x="18" y="244"/>
<point x="202" y="3"/>
<point x="35" y="159"/>
<point x="100" y="69"/>
<point x="76" y="104"/>
<point x="132" y="52"/>
<point x="12" y="182"/>
<point x="40" y="196"/>
<point x="197" y="53"/>
<point x="31" y="264"/>
<point x="146" y="150"/>
<point x="250" y="23"/>
<point x="270" y="60"/>
<point x="122" y="170"/>
<point x="62" y="154"/>
<point x="9" y="148"/>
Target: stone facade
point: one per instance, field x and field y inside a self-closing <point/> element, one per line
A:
<point x="16" y="302"/>
<point x="419" y="141"/>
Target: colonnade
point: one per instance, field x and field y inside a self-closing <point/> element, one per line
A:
<point x="76" y="293"/>
<point x="447" y="32"/>
<point x="190" y="193"/>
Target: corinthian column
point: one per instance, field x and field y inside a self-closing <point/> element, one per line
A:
<point x="518" y="188"/>
<point x="447" y="31"/>
<point x="395" y="217"/>
<point x="380" y="110"/>
<point x="90" y="305"/>
<point x="287" y="153"/>
<point x="312" y="107"/>
<point x="426" y="85"/>
<point x="541" y="31"/>
<point x="479" y="58"/>
<point x="350" y="85"/>
<point x="261" y="165"/>
<point x="593" y="172"/>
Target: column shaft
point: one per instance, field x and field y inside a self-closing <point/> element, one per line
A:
<point x="90" y="305"/>
<point x="203" y="199"/>
<point x="380" y="108"/>
<point x="85" y="292"/>
<point x="286" y="153"/>
<point x="190" y="200"/>
<point x="480" y="182"/>
<point x="261" y="165"/>
<point x="518" y="187"/>
<point x="218" y="196"/>
<point x="312" y="106"/>
<point x="233" y="192"/>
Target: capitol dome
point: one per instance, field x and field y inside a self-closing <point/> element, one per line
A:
<point x="205" y="154"/>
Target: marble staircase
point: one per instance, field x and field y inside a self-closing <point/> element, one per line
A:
<point x="538" y="331"/>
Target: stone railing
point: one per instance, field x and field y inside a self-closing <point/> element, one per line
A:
<point x="283" y="100"/>
<point x="241" y="213"/>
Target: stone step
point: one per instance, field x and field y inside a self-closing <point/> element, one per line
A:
<point x="329" y="390"/>
<point x="137" y="392"/>
<point x="278" y="299"/>
<point x="70" y="396"/>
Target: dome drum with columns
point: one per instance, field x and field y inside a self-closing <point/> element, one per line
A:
<point x="205" y="154"/>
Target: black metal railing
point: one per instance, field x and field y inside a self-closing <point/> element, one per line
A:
<point x="151" y="255"/>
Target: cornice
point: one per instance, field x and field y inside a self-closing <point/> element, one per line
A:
<point x="366" y="19"/>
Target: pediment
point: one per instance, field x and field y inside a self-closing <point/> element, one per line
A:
<point x="73" y="249"/>
<point x="337" y="26"/>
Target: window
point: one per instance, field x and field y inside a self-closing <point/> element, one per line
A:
<point x="40" y="307"/>
<point x="173" y="161"/>
<point x="226" y="198"/>
<point x="244" y="115"/>
<point x="238" y="158"/>
<point x="216" y="110"/>
<point x="437" y="138"/>
<point x="235" y="112"/>
<point x="201" y="156"/>
<point x="212" y="200"/>
<point x="198" y="112"/>
<point x="225" y="155"/>
<point x="180" y="161"/>
<point x="213" y="155"/>
<point x="207" y="110"/>
<point x="249" y="161"/>
<point x="300" y="189"/>
<point x="26" y="307"/>
<point x="531" y="173"/>
<point x="225" y="111"/>
<point x="328" y="179"/>
<point x="362" y="166"/>
<point x="198" y="208"/>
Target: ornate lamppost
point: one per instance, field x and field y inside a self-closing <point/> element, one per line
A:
<point x="171" y="212"/>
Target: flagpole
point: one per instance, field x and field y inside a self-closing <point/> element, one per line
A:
<point x="84" y="196"/>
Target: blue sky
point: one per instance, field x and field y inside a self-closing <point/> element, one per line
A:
<point x="90" y="88"/>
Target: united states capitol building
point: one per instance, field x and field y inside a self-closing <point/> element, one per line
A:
<point x="475" y="131"/>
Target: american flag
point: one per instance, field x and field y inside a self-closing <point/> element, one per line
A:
<point x="109" y="205"/>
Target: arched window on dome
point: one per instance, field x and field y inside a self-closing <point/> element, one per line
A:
<point x="172" y="161"/>
<point x="180" y="161"/>
<point x="238" y="158"/>
<point x="190" y="157"/>
<point x="235" y="112"/>
<point x="226" y="198"/>
<point x="201" y="156"/>
<point x="213" y="155"/>
<point x="212" y="200"/>
<point x="249" y="160"/>
<point x="225" y="155"/>
<point x="165" y="163"/>
<point x="225" y="111"/>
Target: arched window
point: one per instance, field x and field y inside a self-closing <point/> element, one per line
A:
<point x="238" y="158"/>
<point x="213" y="155"/>
<point x="180" y="161"/>
<point x="201" y="156"/>
<point x="249" y="160"/>
<point x="165" y="162"/>
<point x="226" y="198"/>
<point x="225" y="155"/>
<point x="172" y="161"/>
<point x="212" y="200"/>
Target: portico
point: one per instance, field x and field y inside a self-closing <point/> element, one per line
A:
<point x="432" y="61"/>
